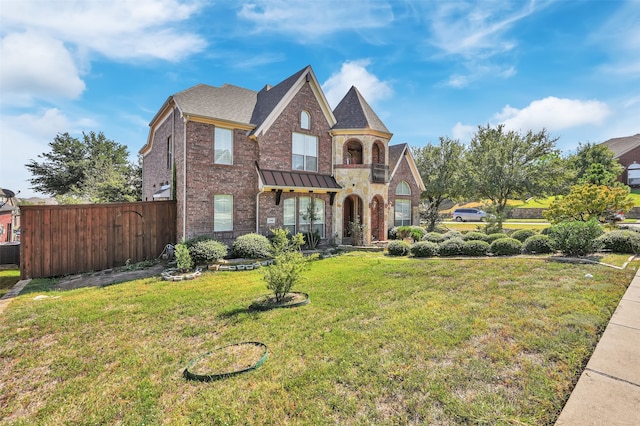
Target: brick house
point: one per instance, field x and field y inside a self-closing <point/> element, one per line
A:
<point x="239" y="161"/>
<point x="627" y="151"/>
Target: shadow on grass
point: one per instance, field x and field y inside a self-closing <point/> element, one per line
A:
<point x="40" y="285"/>
<point x="234" y="312"/>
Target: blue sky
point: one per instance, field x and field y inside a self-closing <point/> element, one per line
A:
<point x="428" y="68"/>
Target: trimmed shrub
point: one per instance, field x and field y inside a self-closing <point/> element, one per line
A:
<point x="522" y="234"/>
<point x="452" y="234"/>
<point x="474" y="236"/>
<point x="506" y="247"/>
<point x="392" y="234"/>
<point x="496" y="236"/>
<point x="538" y="244"/>
<point x="424" y="249"/>
<point x="451" y="247"/>
<point x="434" y="237"/>
<point x="577" y="238"/>
<point x="204" y="252"/>
<point x="620" y="241"/>
<point x="476" y="248"/>
<point x="252" y="246"/>
<point x="414" y="232"/>
<point x="399" y="248"/>
<point x="546" y="231"/>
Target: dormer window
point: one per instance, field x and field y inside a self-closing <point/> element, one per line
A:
<point x="305" y="120"/>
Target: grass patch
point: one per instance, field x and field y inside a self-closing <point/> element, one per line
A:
<point x="8" y="278"/>
<point x="383" y="341"/>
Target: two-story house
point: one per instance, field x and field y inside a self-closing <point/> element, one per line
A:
<point x="239" y="161"/>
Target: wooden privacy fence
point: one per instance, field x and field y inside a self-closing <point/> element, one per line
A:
<point x="72" y="239"/>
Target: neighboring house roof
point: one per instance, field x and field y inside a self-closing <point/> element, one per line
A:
<point x="621" y="146"/>
<point x="228" y="102"/>
<point x="353" y="112"/>
<point x="289" y="180"/>
<point x="396" y="153"/>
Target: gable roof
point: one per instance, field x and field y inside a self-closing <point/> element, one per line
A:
<point x="621" y="146"/>
<point x="353" y="112"/>
<point x="273" y="100"/>
<point x="396" y="154"/>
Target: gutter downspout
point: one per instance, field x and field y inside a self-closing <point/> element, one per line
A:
<point x="184" y="178"/>
<point x="260" y="191"/>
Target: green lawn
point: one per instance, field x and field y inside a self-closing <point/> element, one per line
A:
<point x="384" y="341"/>
<point x="8" y="278"/>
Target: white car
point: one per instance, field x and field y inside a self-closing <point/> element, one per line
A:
<point x="471" y="215"/>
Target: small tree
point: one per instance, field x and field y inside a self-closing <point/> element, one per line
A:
<point x="356" y="230"/>
<point x="312" y="237"/>
<point x="289" y="263"/>
<point x="588" y="201"/>
<point x="183" y="257"/>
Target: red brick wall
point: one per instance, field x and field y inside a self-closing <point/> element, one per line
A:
<point x="403" y="174"/>
<point x="626" y="160"/>
<point x="154" y="171"/>
<point x="275" y="144"/>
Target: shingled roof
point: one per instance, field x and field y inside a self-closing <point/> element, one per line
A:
<point x="395" y="154"/>
<point x="228" y="102"/>
<point x="353" y="112"/>
<point x="621" y="146"/>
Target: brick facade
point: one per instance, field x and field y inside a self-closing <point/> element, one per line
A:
<point x="403" y="173"/>
<point x="269" y="148"/>
<point x="626" y="160"/>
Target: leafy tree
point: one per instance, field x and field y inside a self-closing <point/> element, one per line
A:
<point x="588" y="201"/>
<point x="503" y="165"/>
<point x="595" y="163"/>
<point x="94" y="169"/>
<point x="441" y="170"/>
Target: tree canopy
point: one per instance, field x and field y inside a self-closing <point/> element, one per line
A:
<point x="441" y="168"/>
<point x="94" y="169"/>
<point x="595" y="164"/>
<point x="503" y="165"/>
<point x="588" y="201"/>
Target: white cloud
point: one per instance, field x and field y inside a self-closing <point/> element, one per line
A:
<point x="463" y="132"/>
<point x="307" y="20"/>
<point x="32" y="63"/>
<point x="477" y="72"/>
<point x="475" y="28"/>
<point x="355" y="73"/>
<point x="52" y="41"/>
<point x="554" y="114"/>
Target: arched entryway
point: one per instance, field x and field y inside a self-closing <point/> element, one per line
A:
<point x="377" y="219"/>
<point x="351" y="212"/>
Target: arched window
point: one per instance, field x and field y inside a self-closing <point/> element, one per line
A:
<point x="403" y="189"/>
<point x="305" y="120"/>
<point x="353" y="152"/>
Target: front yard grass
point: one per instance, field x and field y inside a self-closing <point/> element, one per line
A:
<point x="383" y="341"/>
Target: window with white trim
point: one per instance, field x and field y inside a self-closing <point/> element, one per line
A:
<point x="222" y="213"/>
<point x="403" y="189"/>
<point x="305" y="152"/>
<point x="223" y="146"/>
<point x="290" y="215"/>
<point x="403" y="213"/>
<point x="305" y="120"/>
<point x="304" y="218"/>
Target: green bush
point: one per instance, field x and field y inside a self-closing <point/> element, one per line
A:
<point x="452" y="234"/>
<point x="474" y="236"/>
<point x="620" y="241"/>
<point x="434" y="237"/>
<point x="506" y="247"/>
<point x="522" y="234"/>
<point x="207" y="251"/>
<point x="392" y="234"/>
<point x="451" y="247"/>
<point x="424" y="249"/>
<point x="496" y="236"/>
<point x="183" y="258"/>
<point x="414" y="232"/>
<point x="538" y="244"/>
<point x="399" y="248"/>
<point x="577" y="238"/>
<point x="252" y="246"/>
<point x="289" y="264"/>
<point x="476" y="248"/>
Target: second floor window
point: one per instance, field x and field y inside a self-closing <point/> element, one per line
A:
<point x="305" y="120"/>
<point x="223" y="146"/>
<point x="305" y="152"/>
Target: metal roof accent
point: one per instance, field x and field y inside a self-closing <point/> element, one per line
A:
<point x="298" y="180"/>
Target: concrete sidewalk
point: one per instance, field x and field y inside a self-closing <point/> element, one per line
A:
<point x="608" y="391"/>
